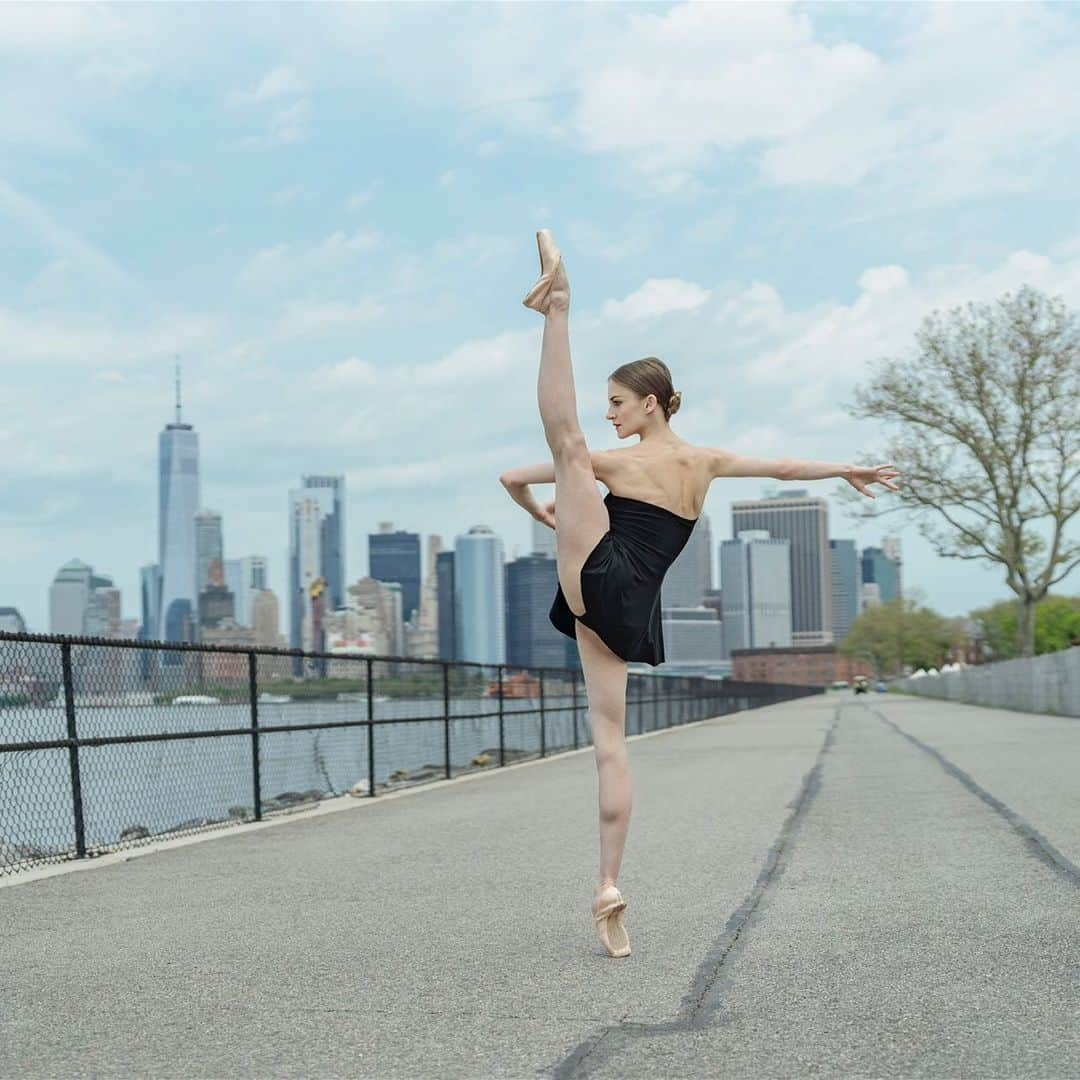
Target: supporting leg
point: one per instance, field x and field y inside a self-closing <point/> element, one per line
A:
<point x="605" y="685"/>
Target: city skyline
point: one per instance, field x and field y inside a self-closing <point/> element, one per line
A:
<point x="322" y="485"/>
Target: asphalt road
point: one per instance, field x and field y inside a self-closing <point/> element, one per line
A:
<point x="837" y="886"/>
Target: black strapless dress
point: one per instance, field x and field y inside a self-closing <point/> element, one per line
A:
<point x="621" y="577"/>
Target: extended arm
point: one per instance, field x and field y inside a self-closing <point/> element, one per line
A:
<point x="727" y="463"/>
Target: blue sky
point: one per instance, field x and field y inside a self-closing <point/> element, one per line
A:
<point x="329" y="213"/>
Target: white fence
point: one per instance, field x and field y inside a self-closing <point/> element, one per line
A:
<point x="1049" y="683"/>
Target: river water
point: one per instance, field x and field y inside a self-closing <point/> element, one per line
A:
<point x="163" y="784"/>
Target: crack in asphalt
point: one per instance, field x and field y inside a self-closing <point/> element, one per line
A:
<point x="702" y="999"/>
<point x="1034" y="842"/>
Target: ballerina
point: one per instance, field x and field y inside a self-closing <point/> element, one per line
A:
<point x="612" y="552"/>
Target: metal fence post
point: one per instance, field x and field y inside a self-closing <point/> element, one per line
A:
<point x="256" y="781"/>
<point x="543" y="741"/>
<point x="502" y="732"/>
<point x="446" y="713"/>
<point x="573" y="711"/>
<point x="73" y="752"/>
<point x="370" y="732"/>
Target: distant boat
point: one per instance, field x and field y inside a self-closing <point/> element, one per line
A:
<point x="266" y="698"/>
<point x="196" y="699"/>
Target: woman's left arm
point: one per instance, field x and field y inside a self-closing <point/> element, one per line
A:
<point x="517" y="481"/>
<point x="544" y="473"/>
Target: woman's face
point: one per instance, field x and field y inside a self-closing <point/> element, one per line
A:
<point x="627" y="410"/>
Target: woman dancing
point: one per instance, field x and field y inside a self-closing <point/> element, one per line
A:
<point x="612" y="552"/>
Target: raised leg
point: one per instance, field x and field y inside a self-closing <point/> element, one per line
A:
<point x="581" y="518"/>
<point x="605" y="687"/>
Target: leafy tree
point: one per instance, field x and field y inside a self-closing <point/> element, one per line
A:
<point x="988" y="440"/>
<point x="1057" y="626"/>
<point x="901" y="632"/>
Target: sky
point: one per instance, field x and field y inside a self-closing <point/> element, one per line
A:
<point x="329" y="213"/>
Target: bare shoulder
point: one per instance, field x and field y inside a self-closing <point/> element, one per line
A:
<point x="636" y="467"/>
<point x="605" y="464"/>
<point x="717" y="460"/>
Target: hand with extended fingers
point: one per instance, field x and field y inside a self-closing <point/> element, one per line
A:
<point x="862" y="475"/>
<point x="546" y="514"/>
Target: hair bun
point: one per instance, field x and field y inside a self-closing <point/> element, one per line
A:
<point x="674" y="403"/>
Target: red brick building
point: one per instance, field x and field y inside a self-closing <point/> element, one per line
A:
<point x="804" y="665"/>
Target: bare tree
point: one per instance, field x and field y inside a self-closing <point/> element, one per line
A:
<point x="989" y="438"/>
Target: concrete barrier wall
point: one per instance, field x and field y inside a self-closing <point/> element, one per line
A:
<point x="1049" y="683"/>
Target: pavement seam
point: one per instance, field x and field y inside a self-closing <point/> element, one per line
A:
<point x="696" y="1009"/>
<point x="1034" y="842"/>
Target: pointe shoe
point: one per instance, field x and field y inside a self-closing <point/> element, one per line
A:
<point x="552" y="280"/>
<point x="608" y="915"/>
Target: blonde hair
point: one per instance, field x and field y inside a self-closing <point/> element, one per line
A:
<point x="650" y="376"/>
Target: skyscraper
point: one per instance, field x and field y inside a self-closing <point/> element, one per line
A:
<point x="447" y="592"/>
<point x="690" y="575"/>
<point x="542" y="539"/>
<point x="845" y="586"/>
<point x="309" y="558"/>
<point x="395" y="556"/>
<point x="209" y="545"/>
<point x="178" y="500"/>
<point x="531" y="640"/>
<point x="479" y="581"/>
<point x="332" y="535"/>
<point x="755" y="573"/>
<point x="803" y="520"/>
<point x="150" y="598"/>
<point x="890" y="545"/>
<point x="879" y="569"/>
<point x="69" y="596"/>
<point x="245" y="577"/>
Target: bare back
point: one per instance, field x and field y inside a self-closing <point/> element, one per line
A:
<point x="675" y="477"/>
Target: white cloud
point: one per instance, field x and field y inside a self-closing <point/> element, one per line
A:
<point x="288" y="124"/>
<point x="823" y="350"/>
<point x="348" y="373"/>
<point x="359" y="200"/>
<point x="974" y="98"/>
<point x="281" y="264"/>
<point x="658" y="296"/>
<point x="85" y="341"/>
<point x="712" y="228"/>
<point x="316" y="318"/>
<point x="278" y="83"/>
<point x="882" y="279"/>
<point x="74" y="250"/>
<point x="671" y="88"/>
<point x="629" y="241"/>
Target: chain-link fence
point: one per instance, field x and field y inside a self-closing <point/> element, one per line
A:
<point x="107" y="743"/>
<point x="1047" y="683"/>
